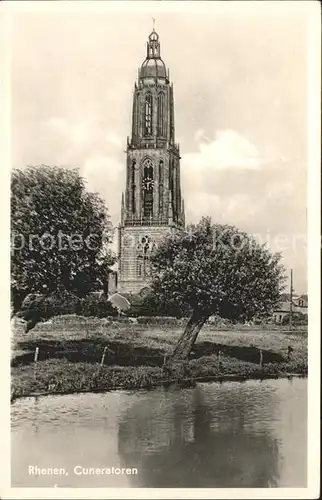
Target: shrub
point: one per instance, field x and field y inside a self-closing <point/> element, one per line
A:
<point x="298" y="319"/>
<point x="218" y="321"/>
<point x="37" y="307"/>
<point x="62" y="302"/>
<point x="97" y="306"/>
<point x="149" y="305"/>
<point x="71" y="318"/>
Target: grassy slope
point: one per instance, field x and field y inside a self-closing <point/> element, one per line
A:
<point x="70" y="355"/>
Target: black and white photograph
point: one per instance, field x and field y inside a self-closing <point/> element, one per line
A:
<point x="162" y="304"/>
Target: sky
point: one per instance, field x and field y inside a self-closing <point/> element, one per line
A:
<point x="241" y="106"/>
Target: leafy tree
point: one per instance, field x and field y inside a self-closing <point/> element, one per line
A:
<point x="215" y="269"/>
<point x="59" y="234"/>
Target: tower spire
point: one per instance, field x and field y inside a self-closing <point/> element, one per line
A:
<point x="151" y="205"/>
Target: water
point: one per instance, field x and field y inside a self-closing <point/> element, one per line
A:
<point x="250" y="434"/>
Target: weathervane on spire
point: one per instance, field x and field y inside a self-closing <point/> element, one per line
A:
<point x="153" y="20"/>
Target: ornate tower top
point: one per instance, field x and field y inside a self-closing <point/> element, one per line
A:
<point x="153" y="69"/>
<point x="153" y="45"/>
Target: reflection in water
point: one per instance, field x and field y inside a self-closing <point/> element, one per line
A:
<point x="206" y="438"/>
<point x="35" y="414"/>
<point x="250" y="434"/>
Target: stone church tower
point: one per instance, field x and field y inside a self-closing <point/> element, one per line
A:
<point x="152" y="205"/>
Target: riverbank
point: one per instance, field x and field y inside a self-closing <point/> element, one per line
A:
<point x="84" y="356"/>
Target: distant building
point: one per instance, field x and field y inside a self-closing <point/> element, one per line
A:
<point x="301" y="302"/>
<point x="299" y="305"/>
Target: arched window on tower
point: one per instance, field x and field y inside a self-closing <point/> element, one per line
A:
<point x="147" y="185"/>
<point x="148" y="115"/>
<point x="160" y="114"/>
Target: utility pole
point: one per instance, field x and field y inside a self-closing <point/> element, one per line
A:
<point x="291" y="301"/>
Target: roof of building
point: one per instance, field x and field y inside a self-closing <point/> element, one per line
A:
<point x="284" y="305"/>
<point x="287" y="296"/>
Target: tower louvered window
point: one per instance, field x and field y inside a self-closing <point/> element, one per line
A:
<point x="160" y="114"/>
<point x="148" y="114"/>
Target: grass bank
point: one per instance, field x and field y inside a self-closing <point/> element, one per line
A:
<point x="70" y="356"/>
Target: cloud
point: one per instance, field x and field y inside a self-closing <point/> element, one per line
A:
<point x="114" y="139"/>
<point x="230" y="179"/>
<point x="228" y="150"/>
<point x="105" y="175"/>
<point x="77" y="133"/>
<point x="98" y="155"/>
<point x="229" y="153"/>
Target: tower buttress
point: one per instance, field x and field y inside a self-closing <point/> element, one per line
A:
<point x="122" y="209"/>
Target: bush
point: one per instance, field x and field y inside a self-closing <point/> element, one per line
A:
<point x="97" y="306"/>
<point x="218" y="321"/>
<point x="69" y="318"/>
<point x="149" y="306"/>
<point x="298" y="319"/>
<point x="37" y="307"/>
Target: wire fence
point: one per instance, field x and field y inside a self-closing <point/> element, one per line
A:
<point x="107" y="356"/>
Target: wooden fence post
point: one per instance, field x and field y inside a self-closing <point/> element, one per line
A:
<point x="289" y="353"/>
<point x="103" y="356"/>
<point x="35" y="361"/>
<point x="219" y="358"/>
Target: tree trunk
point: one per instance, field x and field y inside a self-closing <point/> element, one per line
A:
<point x="16" y="301"/>
<point x="188" y="338"/>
